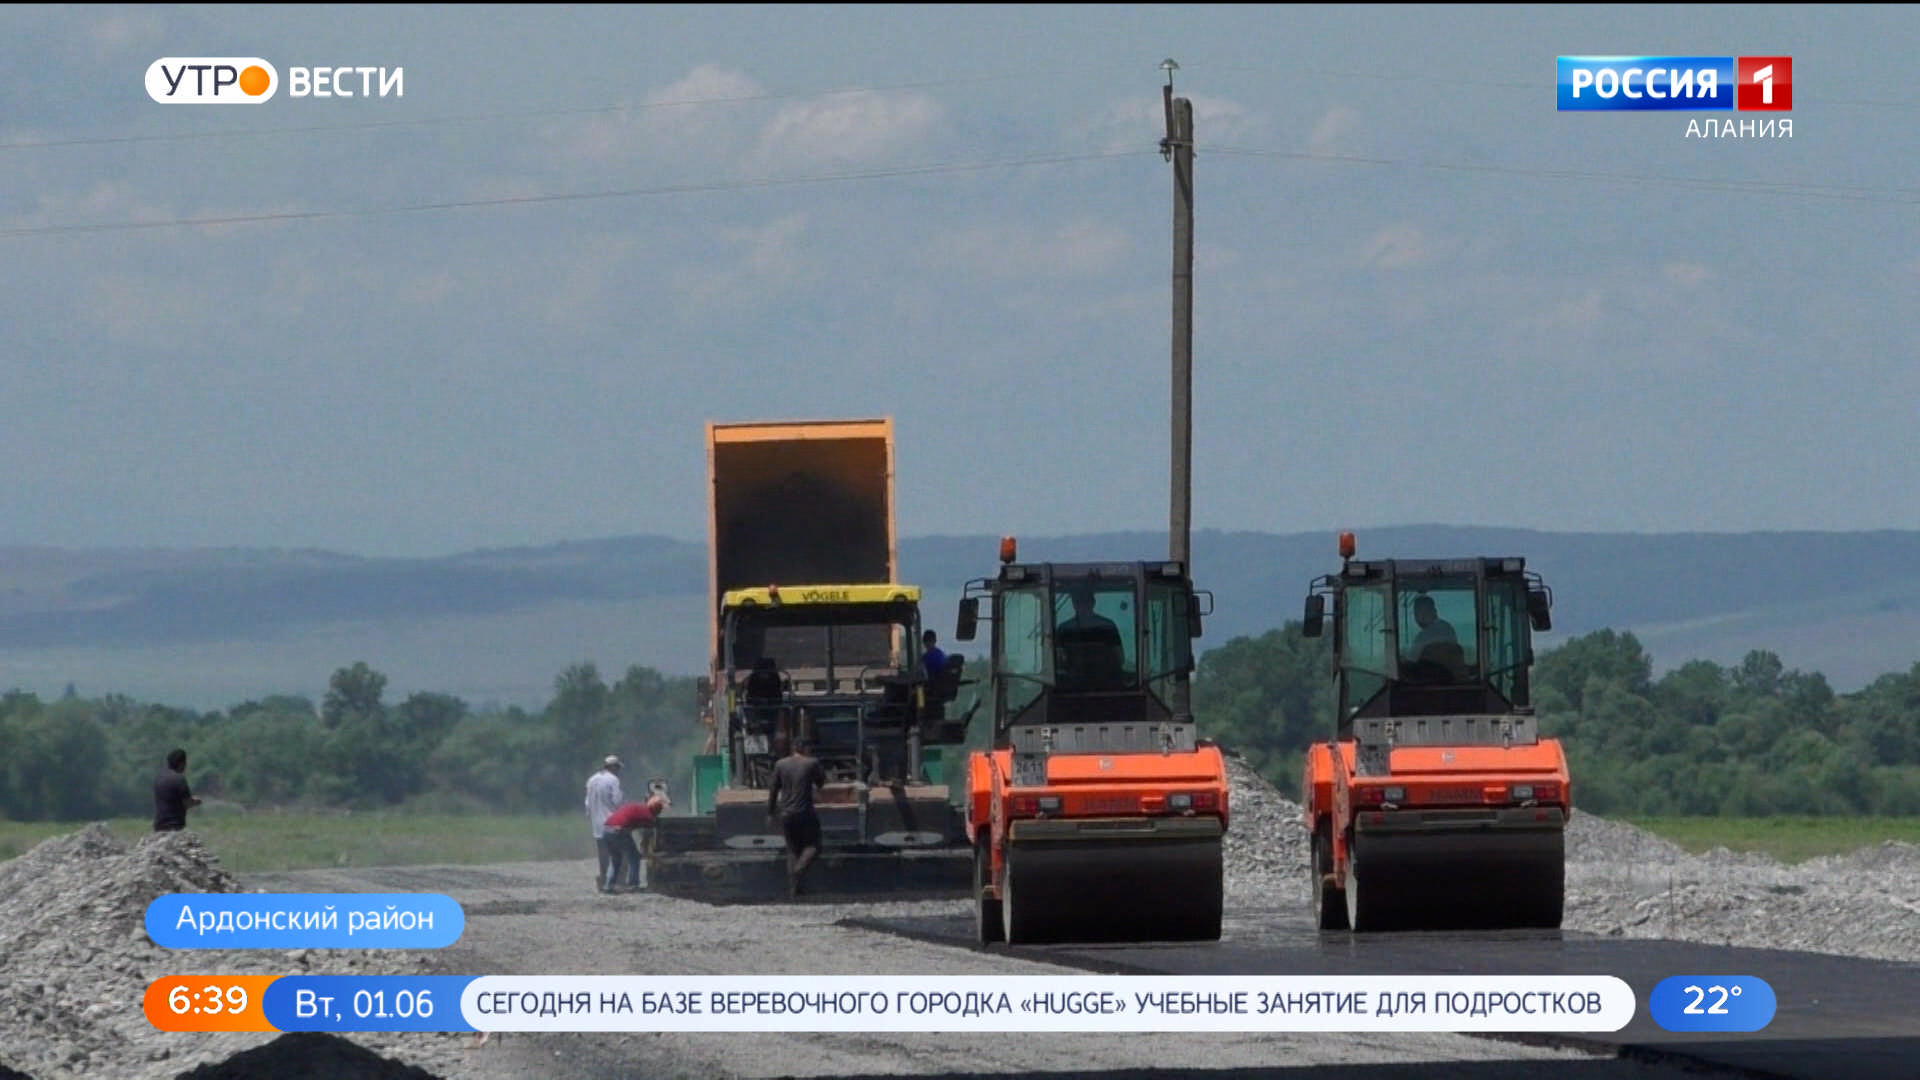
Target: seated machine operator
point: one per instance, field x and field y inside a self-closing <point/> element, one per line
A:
<point x="1436" y="643"/>
<point x="765" y="693"/>
<point x="763" y="682"/>
<point x="1090" y="651"/>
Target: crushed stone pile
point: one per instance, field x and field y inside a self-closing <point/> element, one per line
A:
<point x="75" y="960"/>
<point x="97" y="891"/>
<point x="1266" y="852"/>
<point x="1864" y="904"/>
<point x="1623" y="881"/>
<point x="1603" y="841"/>
<point x="308" y="1056"/>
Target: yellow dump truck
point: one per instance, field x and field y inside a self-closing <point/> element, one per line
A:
<point x="811" y="634"/>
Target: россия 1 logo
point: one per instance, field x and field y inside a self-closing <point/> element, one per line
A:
<point x="1631" y="83"/>
<point x="249" y="80"/>
<point x="1695" y="83"/>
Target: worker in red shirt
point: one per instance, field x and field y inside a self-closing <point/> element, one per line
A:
<point x="620" y="825"/>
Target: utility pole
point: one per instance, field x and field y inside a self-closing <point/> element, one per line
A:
<point x="1177" y="147"/>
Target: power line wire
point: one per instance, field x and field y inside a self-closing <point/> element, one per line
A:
<point x="586" y="196"/>
<point x="781" y="95"/>
<point x="533" y="114"/>
<point x="1903" y="196"/>
<point x="1762" y="187"/>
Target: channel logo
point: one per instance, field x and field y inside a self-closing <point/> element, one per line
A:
<point x="1637" y="83"/>
<point x="211" y="80"/>
<point x="1766" y="83"/>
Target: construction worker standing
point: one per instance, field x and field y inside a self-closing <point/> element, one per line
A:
<point x="603" y="798"/>
<point x="790" y="800"/>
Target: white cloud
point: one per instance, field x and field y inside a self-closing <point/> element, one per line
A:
<point x="769" y="259"/>
<point x="1077" y="249"/>
<point x="104" y="202"/>
<point x="718" y="117"/>
<point x="1140" y="123"/>
<point x="706" y="84"/>
<point x="150" y="310"/>
<point x="853" y="128"/>
<point x="1398" y="247"/>
<point x="425" y="290"/>
<point x="1101" y="309"/>
<point x="246" y="212"/>
<point x="699" y="115"/>
<point x="1685" y="274"/>
<point x="769" y="250"/>
<point x="1335" y="131"/>
<point x="123" y="31"/>
<point x="501" y="187"/>
<point x="1582" y="313"/>
<point x="1208" y="258"/>
<point x="577" y="297"/>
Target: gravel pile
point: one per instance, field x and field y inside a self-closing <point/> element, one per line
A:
<point x="1864" y="904"/>
<point x="97" y="891"/>
<point x="1266" y="852"/>
<point x="1604" y="842"/>
<point x="75" y="960"/>
<point x="308" y="1056"/>
<point x="1624" y="881"/>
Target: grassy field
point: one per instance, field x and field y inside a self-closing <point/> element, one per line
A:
<point x="249" y="842"/>
<point x="1789" y="839"/>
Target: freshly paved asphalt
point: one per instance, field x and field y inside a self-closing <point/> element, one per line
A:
<point x="1835" y="1016"/>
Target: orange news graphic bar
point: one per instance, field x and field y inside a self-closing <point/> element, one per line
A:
<point x="208" y="1003"/>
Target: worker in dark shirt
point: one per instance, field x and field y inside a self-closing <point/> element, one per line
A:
<point x="790" y="800"/>
<point x="171" y="796"/>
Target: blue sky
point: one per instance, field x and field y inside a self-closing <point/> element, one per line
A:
<point x="1417" y="298"/>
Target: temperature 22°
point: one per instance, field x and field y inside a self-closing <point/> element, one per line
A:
<point x="1711" y="1003"/>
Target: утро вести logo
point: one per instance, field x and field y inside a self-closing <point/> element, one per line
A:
<point x="249" y="80"/>
<point x="211" y="80"/>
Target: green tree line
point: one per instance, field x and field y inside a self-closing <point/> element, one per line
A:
<point x="80" y="759"/>
<point x="1750" y="740"/>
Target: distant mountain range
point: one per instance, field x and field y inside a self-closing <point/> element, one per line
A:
<point x="208" y="628"/>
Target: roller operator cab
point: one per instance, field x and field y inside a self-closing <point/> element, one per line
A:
<point x="1437" y="804"/>
<point x="1096" y="813"/>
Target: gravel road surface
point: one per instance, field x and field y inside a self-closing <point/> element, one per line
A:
<point x="74" y="961"/>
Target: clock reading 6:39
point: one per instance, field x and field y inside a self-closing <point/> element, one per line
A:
<point x="210" y="1000"/>
<point x="207" y="1003"/>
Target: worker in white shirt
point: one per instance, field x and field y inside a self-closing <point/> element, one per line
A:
<point x="603" y="798"/>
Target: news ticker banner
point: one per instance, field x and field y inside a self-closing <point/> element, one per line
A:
<point x="346" y="1003"/>
<point x="885" y="1003"/>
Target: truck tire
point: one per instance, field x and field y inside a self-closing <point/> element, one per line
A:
<point x="1209" y="905"/>
<point x="1025" y="918"/>
<point x="1545" y="902"/>
<point x="1369" y="908"/>
<point x="1329" y="901"/>
<point x="987" y="925"/>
